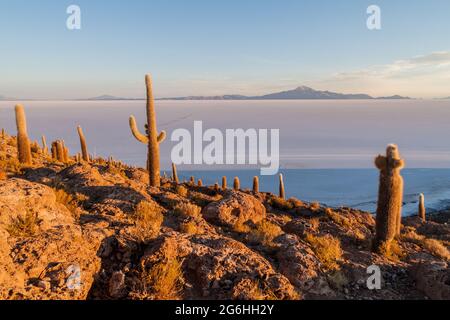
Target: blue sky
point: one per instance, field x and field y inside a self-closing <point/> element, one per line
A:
<point x="219" y="47"/>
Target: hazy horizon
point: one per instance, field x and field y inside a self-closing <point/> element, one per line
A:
<point x="211" y="48"/>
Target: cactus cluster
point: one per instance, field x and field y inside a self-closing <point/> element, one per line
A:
<point x="390" y="197"/>
<point x="152" y="139"/>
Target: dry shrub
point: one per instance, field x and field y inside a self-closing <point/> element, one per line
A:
<point x="62" y="197"/>
<point x="265" y="232"/>
<point x="241" y="227"/>
<point x="10" y="165"/>
<point x="187" y="209"/>
<point x="24" y="226"/>
<point x="339" y="219"/>
<point x="314" y="224"/>
<point x="148" y="219"/>
<point x="251" y="289"/>
<point x="165" y="279"/>
<point x="189" y="227"/>
<point x="281" y="204"/>
<point x="35" y="148"/>
<point x="181" y="191"/>
<point x="435" y="247"/>
<point x="327" y="249"/>
<point x="338" y="279"/>
<point x="115" y="170"/>
<point x="285" y="219"/>
<point x="12" y="142"/>
<point x="3" y="175"/>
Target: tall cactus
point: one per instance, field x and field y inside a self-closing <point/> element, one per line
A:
<point x="236" y="184"/>
<point x="84" y="150"/>
<point x="390" y="197"/>
<point x="152" y="139"/>
<point x="255" y="184"/>
<point x="224" y="183"/>
<point x="23" y="143"/>
<point x="422" y="211"/>
<point x="175" y="173"/>
<point x="281" y="187"/>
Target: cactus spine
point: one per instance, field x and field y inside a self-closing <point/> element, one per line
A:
<point x="255" y="184"/>
<point x="23" y="143"/>
<point x="175" y="173"/>
<point x="236" y="184"/>
<point x="282" y="194"/>
<point x="224" y="183"/>
<point x="84" y="150"/>
<point x="422" y="211"/>
<point x="152" y="139"/>
<point x="390" y="197"/>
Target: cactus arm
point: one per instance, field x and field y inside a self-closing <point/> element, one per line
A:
<point x="162" y="136"/>
<point x="135" y="131"/>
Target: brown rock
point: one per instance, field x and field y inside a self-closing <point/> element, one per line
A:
<point x="235" y="207"/>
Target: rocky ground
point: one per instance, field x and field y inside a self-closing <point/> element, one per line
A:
<point x="96" y="231"/>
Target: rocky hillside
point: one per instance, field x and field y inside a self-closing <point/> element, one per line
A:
<point x="96" y="231"/>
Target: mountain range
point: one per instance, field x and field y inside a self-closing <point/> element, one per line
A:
<point x="300" y="93"/>
<point x="3" y="98"/>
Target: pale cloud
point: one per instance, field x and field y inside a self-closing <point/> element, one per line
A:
<point x="424" y="76"/>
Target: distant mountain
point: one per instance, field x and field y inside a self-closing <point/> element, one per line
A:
<point x="300" y="93"/>
<point x="396" y="97"/>
<point x="108" y="98"/>
<point x="3" y="98"/>
<point x="225" y="97"/>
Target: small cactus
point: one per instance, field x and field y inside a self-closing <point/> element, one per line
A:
<point x="422" y="211"/>
<point x="200" y="183"/>
<point x="390" y="197"/>
<point x="224" y="183"/>
<point x="44" y="145"/>
<point x="152" y="139"/>
<point x="23" y="143"/>
<point x="236" y="184"/>
<point x="216" y="187"/>
<point x="59" y="151"/>
<point x="54" y="151"/>
<point x="84" y="150"/>
<point x="175" y="173"/>
<point x="282" y="194"/>
<point x="65" y="158"/>
<point x="192" y="181"/>
<point x="255" y="184"/>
